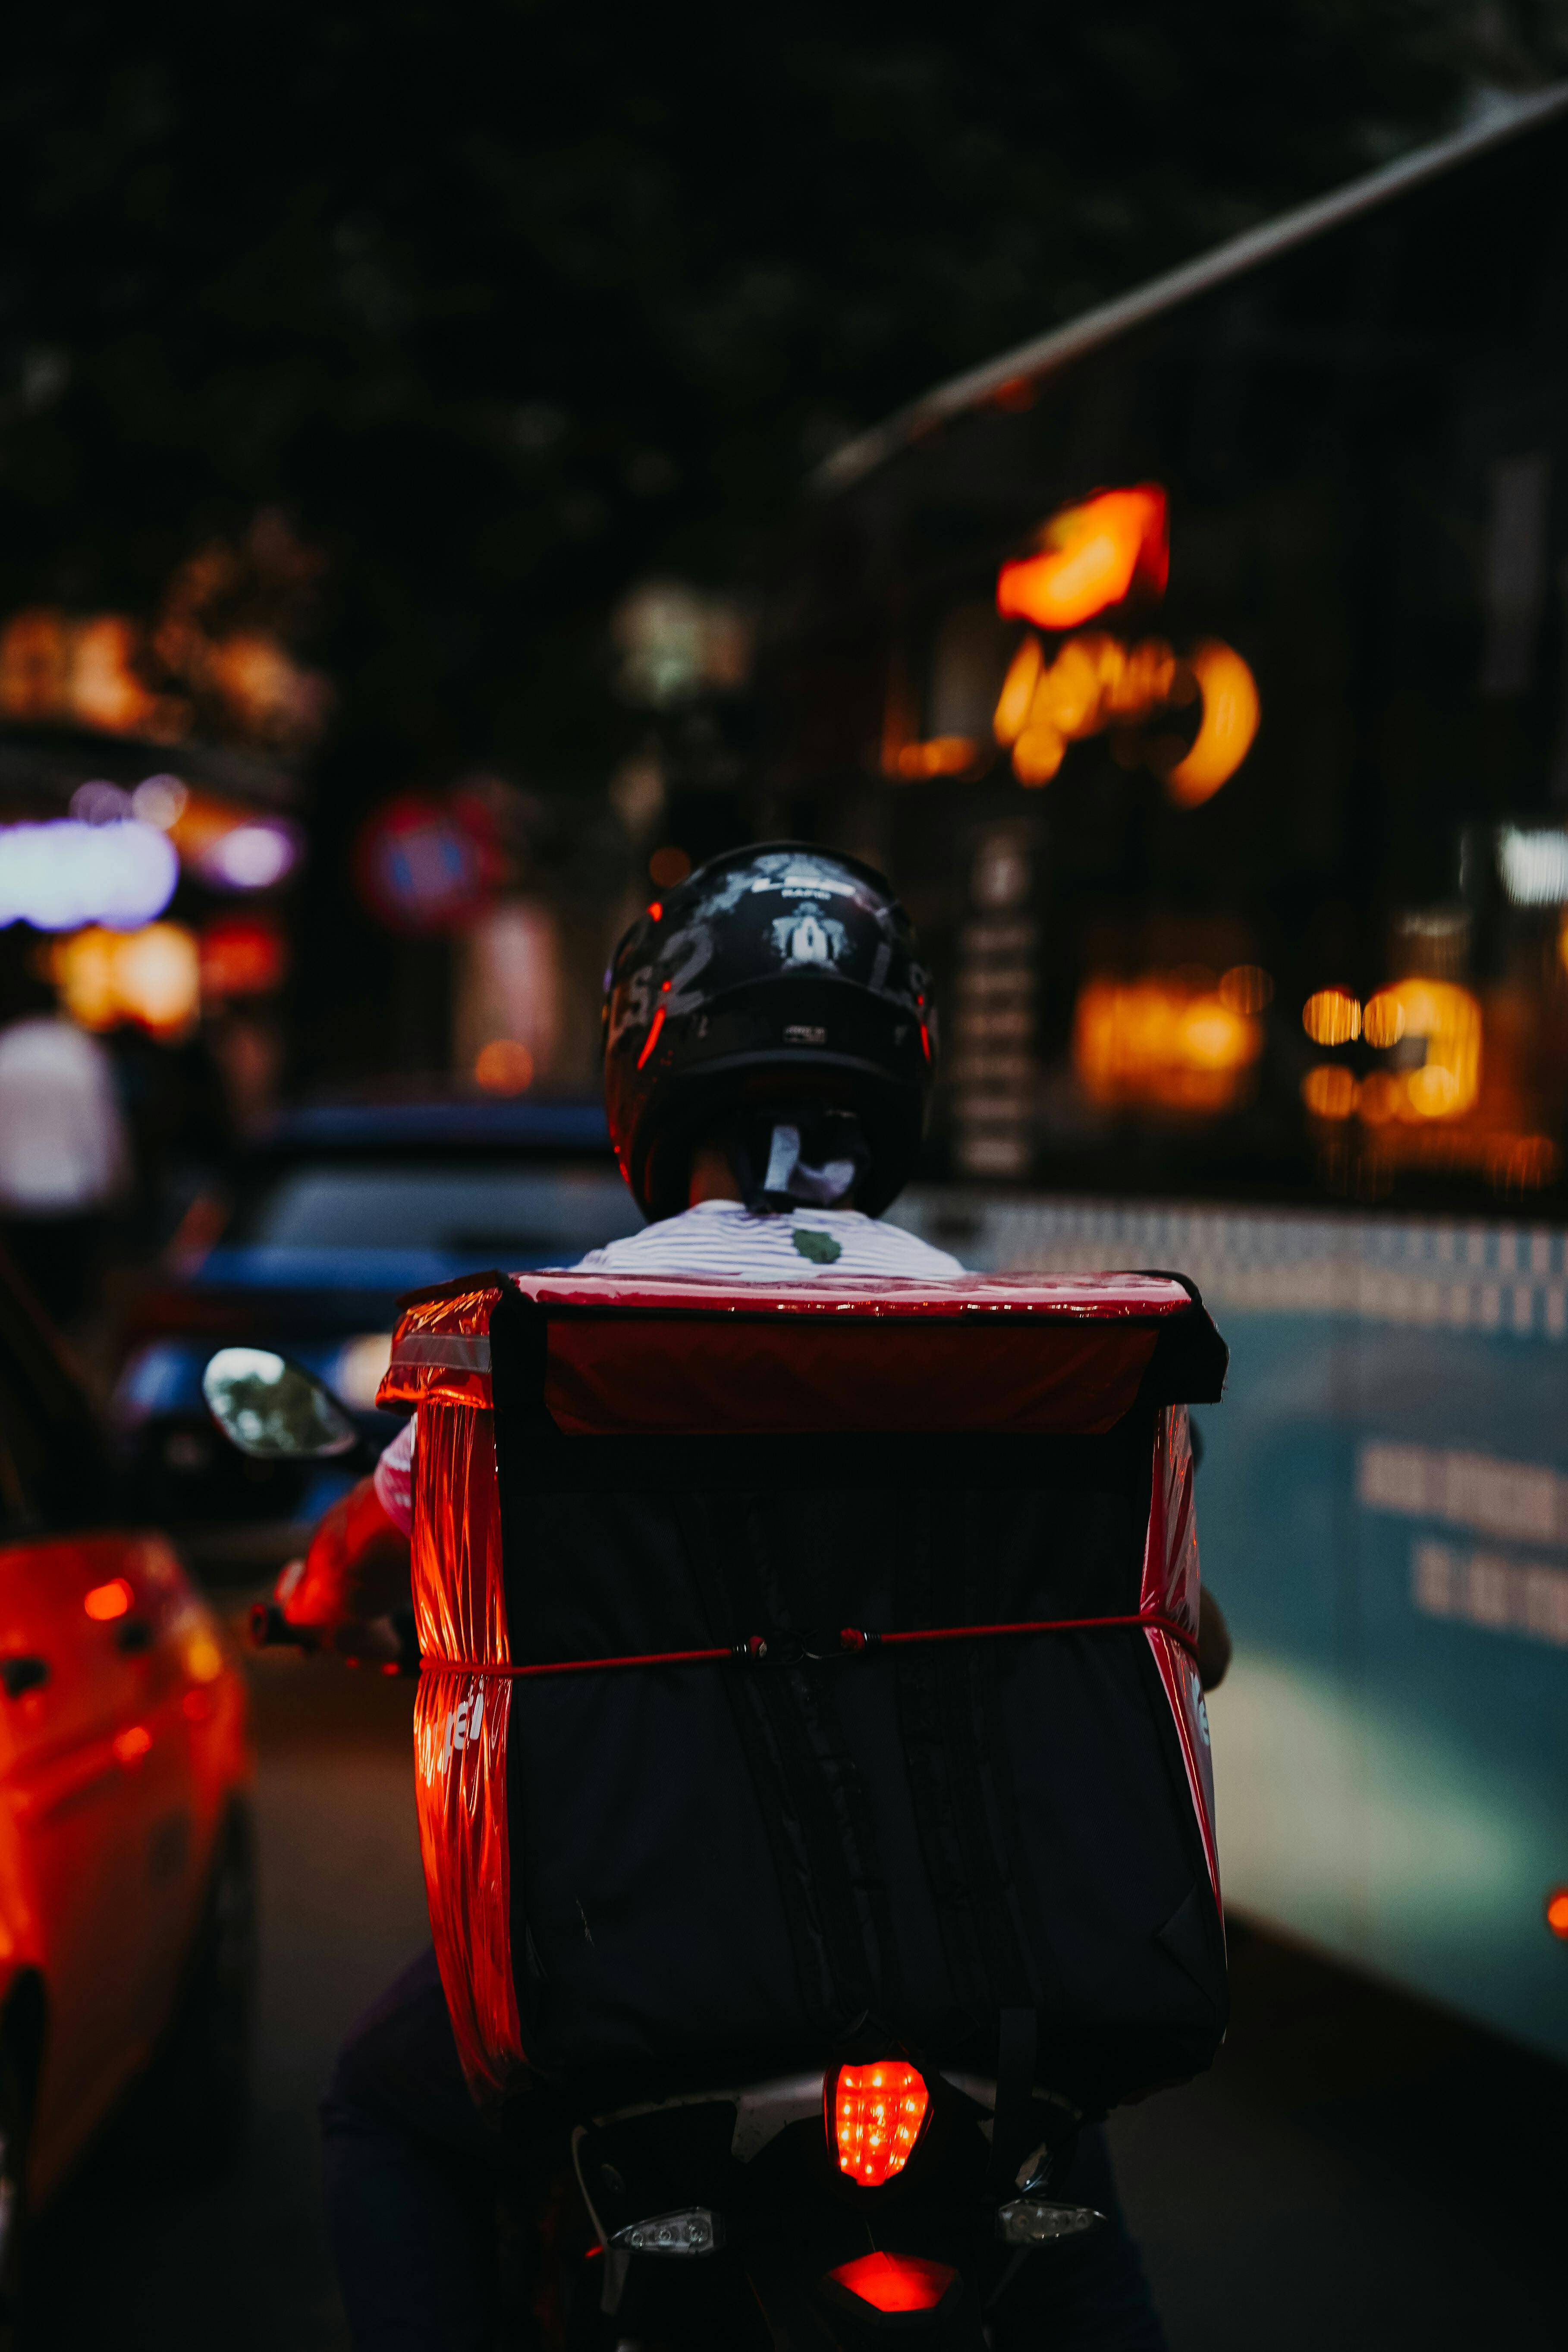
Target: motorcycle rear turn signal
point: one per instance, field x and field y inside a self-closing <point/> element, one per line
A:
<point x="895" y="2282"/>
<point x="875" y="2118"/>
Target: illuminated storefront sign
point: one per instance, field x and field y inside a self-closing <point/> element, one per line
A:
<point x="1089" y="560"/>
<point x="1090" y="557"/>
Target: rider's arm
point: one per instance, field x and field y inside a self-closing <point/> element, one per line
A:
<point x="356" y="1573"/>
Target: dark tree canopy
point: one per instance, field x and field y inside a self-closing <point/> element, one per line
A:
<point x="507" y="304"/>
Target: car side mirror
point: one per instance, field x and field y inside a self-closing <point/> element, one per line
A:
<point x="274" y="1410"/>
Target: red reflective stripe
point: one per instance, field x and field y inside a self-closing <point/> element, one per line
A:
<point x="851" y="1639"/>
<point x="652" y="1036"/>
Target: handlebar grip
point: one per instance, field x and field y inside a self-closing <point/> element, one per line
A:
<point x="270" y="1629"/>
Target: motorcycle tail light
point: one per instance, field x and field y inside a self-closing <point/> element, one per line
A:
<point x="875" y="2119"/>
<point x="895" y="2282"/>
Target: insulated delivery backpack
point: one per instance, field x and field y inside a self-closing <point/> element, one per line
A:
<point x="805" y="1659"/>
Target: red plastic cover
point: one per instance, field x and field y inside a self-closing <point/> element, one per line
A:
<point x="1004" y="1353"/>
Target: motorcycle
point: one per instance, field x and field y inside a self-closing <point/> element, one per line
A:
<point x="879" y="2194"/>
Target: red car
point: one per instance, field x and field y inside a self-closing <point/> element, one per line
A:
<point x="125" y="1764"/>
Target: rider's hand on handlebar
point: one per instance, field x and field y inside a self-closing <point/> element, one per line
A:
<point x="353" y="1580"/>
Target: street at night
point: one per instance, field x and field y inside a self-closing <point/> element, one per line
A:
<point x="1356" y="2169"/>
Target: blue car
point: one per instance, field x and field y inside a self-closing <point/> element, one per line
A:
<point x="333" y="1215"/>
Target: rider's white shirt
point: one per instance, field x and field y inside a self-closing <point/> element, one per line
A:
<point x="722" y="1238"/>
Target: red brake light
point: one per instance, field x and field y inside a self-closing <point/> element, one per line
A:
<point x="878" y="2111"/>
<point x="896" y="2282"/>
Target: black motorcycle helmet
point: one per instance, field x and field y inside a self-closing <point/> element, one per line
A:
<point x="778" y="984"/>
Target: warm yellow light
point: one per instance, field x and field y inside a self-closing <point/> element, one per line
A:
<point x="1246" y="988"/>
<point x="1329" y="1091"/>
<point x="204" y="1656"/>
<point x="158" y="974"/>
<point x="1449" y="1019"/>
<point x="1210" y="1037"/>
<point x="1160" y="1040"/>
<point x="1383" y="1021"/>
<point x="1037" y="754"/>
<point x="151" y="976"/>
<point x="504" y="1068"/>
<point x="1225" y="734"/>
<point x="1382" y="1098"/>
<point x="941" y="755"/>
<point x="1331" y="1017"/>
<point x="1013" y="704"/>
<point x="1090" y="557"/>
<point x="1096" y="682"/>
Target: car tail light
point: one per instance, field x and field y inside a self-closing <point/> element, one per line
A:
<point x="876" y="2120"/>
<point x="895" y="2282"/>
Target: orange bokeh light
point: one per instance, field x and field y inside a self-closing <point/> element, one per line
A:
<point x="1090" y="557"/>
<point x="1332" y="1016"/>
<point x="1162" y="1041"/>
<point x="504" y="1068"/>
<point x="1231" y="711"/>
<point x="131" y="1743"/>
<point x="875" y="2119"/>
<point x="1557" y="1912"/>
<point x="1329" y="1091"/>
<point x="107" y="1601"/>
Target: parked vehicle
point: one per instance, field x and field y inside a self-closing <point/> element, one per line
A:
<point x="126" y="1886"/>
<point x="332" y="1215"/>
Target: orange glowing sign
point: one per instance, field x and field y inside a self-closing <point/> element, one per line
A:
<point x="1230" y="722"/>
<point x="1096" y="682"/>
<point x="1090" y="557"/>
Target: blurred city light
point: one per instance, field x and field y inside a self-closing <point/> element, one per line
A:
<point x="1332" y="1016"/>
<point x="151" y="977"/>
<point x="504" y="1068"/>
<point x="669" y="866"/>
<point x="1096" y="682"/>
<point x="250" y="856"/>
<point x="1090" y="557"/>
<point x="1329" y="1091"/>
<point x="161" y="801"/>
<point x="1229" y="723"/>
<point x="1383" y="1020"/>
<point x="1533" y="866"/>
<point x="242" y="955"/>
<point x="678" y="644"/>
<point x="1246" y="988"/>
<point x="942" y="755"/>
<point x="1167" y="1039"/>
<point x="62" y="873"/>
